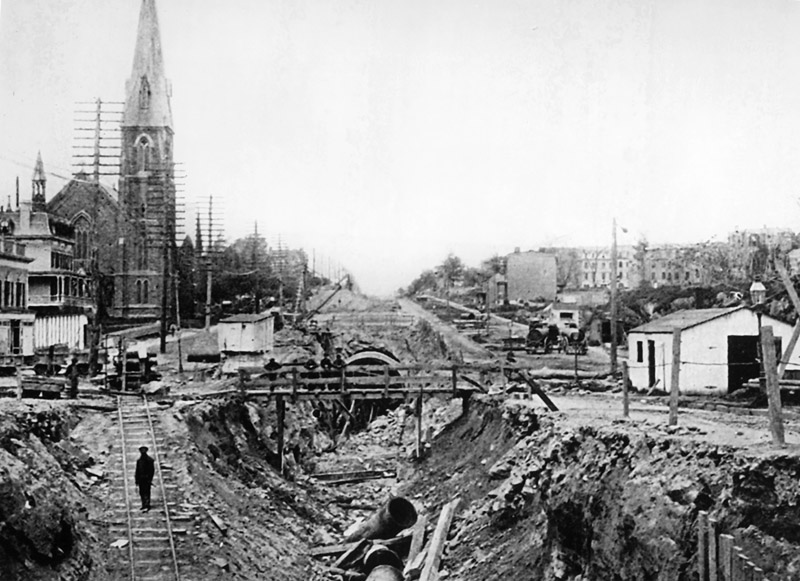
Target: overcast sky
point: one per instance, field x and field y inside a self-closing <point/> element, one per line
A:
<point x="388" y="133"/>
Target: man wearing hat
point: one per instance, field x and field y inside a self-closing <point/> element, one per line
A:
<point x="145" y="469"/>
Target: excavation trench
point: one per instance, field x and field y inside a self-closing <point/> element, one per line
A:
<point x="545" y="495"/>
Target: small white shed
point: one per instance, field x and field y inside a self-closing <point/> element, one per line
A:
<point x="244" y="340"/>
<point x="719" y="349"/>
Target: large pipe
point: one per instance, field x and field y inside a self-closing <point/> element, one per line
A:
<point x="385" y="573"/>
<point x="379" y="555"/>
<point x="394" y="516"/>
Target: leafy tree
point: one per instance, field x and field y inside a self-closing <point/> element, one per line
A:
<point x="452" y="269"/>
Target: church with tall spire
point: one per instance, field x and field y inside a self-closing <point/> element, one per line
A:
<point x="146" y="185"/>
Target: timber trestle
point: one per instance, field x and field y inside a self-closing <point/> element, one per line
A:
<point x="376" y="383"/>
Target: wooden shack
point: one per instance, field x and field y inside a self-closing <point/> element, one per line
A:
<point x="245" y="341"/>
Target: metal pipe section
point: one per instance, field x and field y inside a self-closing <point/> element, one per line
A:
<point x="391" y="518"/>
<point x="379" y="555"/>
<point x="385" y="573"/>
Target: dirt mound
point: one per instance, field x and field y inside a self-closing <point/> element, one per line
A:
<point x="44" y="527"/>
<point x="549" y="501"/>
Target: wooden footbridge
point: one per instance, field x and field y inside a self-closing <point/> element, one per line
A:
<point x="411" y="383"/>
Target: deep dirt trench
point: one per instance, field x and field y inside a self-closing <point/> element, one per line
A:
<point x="544" y="495"/>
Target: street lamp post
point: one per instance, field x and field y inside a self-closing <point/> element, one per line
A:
<point x="758" y="294"/>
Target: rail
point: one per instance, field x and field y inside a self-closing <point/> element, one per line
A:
<point x="133" y="540"/>
<point x="125" y="481"/>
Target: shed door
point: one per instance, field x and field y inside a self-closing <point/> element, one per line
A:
<point x="651" y="363"/>
<point x="742" y="360"/>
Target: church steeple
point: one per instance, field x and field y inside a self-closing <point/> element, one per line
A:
<point x="148" y="91"/>
<point x="39" y="182"/>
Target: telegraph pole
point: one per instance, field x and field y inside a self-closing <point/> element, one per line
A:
<point x="614" y="296"/>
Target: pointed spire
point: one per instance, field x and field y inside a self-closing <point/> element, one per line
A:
<point x="147" y="91"/>
<point x="38" y="198"/>
<point x="38" y="170"/>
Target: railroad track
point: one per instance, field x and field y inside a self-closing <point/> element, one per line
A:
<point x="150" y="553"/>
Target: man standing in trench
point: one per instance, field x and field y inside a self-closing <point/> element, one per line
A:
<point x="145" y="469"/>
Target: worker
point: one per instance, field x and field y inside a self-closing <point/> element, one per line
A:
<point x="145" y="469"/>
<point x="338" y="362"/>
<point x="326" y="362"/>
<point x="272" y="367"/>
<point x="72" y="376"/>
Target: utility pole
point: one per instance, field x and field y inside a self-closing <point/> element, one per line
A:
<point x="208" y="266"/>
<point x="614" y="296"/>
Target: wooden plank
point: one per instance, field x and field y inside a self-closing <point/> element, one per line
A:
<point x="473" y="383"/>
<point x="773" y="390"/>
<point x="676" y="375"/>
<point x="376" y="475"/>
<point x="352" y="555"/>
<point x="417" y="537"/>
<point x="330" y="550"/>
<point x="726" y="557"/>
<point x="538" y="391"/>
<point x="713" y="566"/>
<point x="430" y="572"/>
<point x="702" y="545"/>
<point x="414" y="566"/>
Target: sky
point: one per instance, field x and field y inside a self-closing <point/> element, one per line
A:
<point x="385" y="134"/>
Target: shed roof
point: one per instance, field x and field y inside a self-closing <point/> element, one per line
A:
<point x="684" y="320"/>
<point x="247" y="317"/>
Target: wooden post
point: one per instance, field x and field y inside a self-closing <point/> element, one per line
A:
<point x="773" y="387"/>
<point x="419" y="426"/>
<point x="726" y="557"/>
<point x="280" y="409"/>
<point x="676" y="376"/>
<point x="625" y="394"/>
<point x="455" y="379"/>
<point x="386" y="381"/>
<point x="577" y="379"/>
<point x="123" y="354"/>
<point x="713" y="566"/>
<point x="19" y="382"/>
<point x="702" y="546"/>
<point x="294" y="384"/>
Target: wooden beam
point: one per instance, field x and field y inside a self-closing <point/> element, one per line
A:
<point x="473" y="383"/>
<point x="787" y="353"/>
<point x="430" y="572"/>
<point x="417" y="537"/>
<point x="726" y="556"/>
<point x="773" y="388"/>
<point x="538" y="391"/>
<point x="676" y="376"/>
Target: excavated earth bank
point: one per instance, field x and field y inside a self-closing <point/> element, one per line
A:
<point x="547" y="498"/>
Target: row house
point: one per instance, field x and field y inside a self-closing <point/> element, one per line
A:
<point x="595" y="267"/>
<point x="16" y="321"/>
<point x="54" y="290"/>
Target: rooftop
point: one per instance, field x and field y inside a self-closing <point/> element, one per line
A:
<point x="684" y="320"/>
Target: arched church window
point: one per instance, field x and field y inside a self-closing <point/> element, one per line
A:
<point x="144" y="94"/>
<point x="82" y="238"/>
<point x="143" y="151"/>
<point x="146" y="291"/>
<point x="139" y="292"/>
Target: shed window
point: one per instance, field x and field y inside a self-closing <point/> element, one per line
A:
<point x="639" y="351"/>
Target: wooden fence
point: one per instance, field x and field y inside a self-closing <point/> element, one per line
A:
<point x="719" y="558"/>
